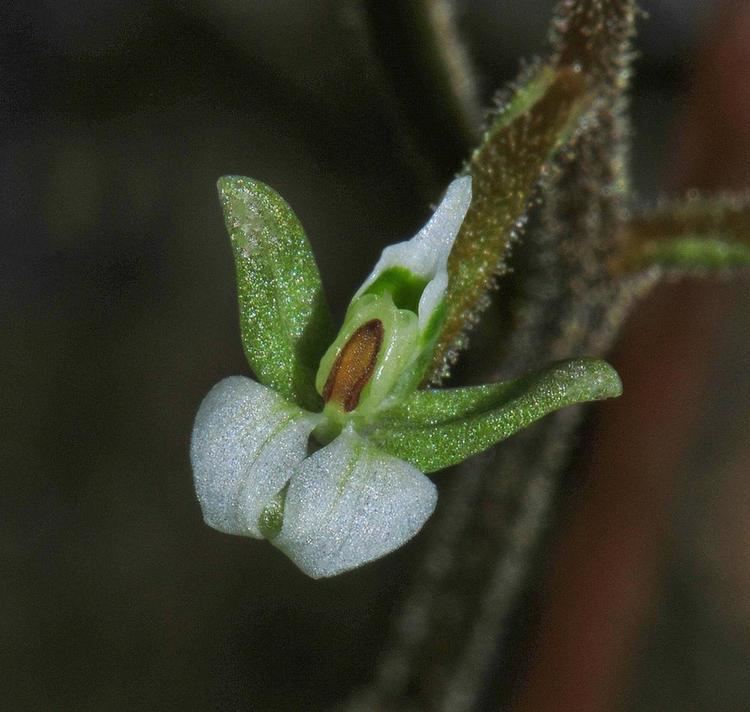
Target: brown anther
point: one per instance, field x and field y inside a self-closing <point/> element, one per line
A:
<point x="354" y="365"/>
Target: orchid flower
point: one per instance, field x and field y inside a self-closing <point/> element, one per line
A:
<point x="325" y="454"/>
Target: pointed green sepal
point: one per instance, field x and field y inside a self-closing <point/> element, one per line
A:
<point x="434" y="429"/>
<point x="284" y="319"/>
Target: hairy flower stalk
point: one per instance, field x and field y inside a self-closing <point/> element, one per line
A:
<point x="330" y="468"/>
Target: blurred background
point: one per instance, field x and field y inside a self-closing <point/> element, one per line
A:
<point x="118" y="314"/>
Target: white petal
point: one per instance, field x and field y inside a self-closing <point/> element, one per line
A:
<point x="246" y="442"/>
<point x="350" y="503"/>
<point x="426" y="254"/>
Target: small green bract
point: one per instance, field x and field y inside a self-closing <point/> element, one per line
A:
<point x="325" y="454"/>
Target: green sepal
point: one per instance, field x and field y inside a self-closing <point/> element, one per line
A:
<point x="285" y="322"/>
<point x="434" y="429"/>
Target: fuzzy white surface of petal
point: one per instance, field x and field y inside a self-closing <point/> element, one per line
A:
<point x="350" y="503"/>
<point x="246" y="442"/>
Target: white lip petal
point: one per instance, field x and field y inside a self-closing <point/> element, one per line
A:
<point x="350" y="503"/>
<point x="426" y="254"/>
<point x="246" y="442"/>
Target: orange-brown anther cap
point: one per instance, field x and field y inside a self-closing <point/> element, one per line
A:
<point x="354" y="366"/>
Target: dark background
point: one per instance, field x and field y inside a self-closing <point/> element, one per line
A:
<point x="118" y="314"/>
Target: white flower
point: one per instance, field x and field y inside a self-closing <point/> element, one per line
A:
<point x="330" y="467"/>
<point x="348" y="502"/>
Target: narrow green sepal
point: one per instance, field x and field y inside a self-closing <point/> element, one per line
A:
<point x="434" y="429"/>
<point x="285" y="322"/>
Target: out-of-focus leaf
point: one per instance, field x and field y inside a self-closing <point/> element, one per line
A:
<point x="437" y="428"/>
<point x="698" y="234"/>
<point x="284" y="319"/>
